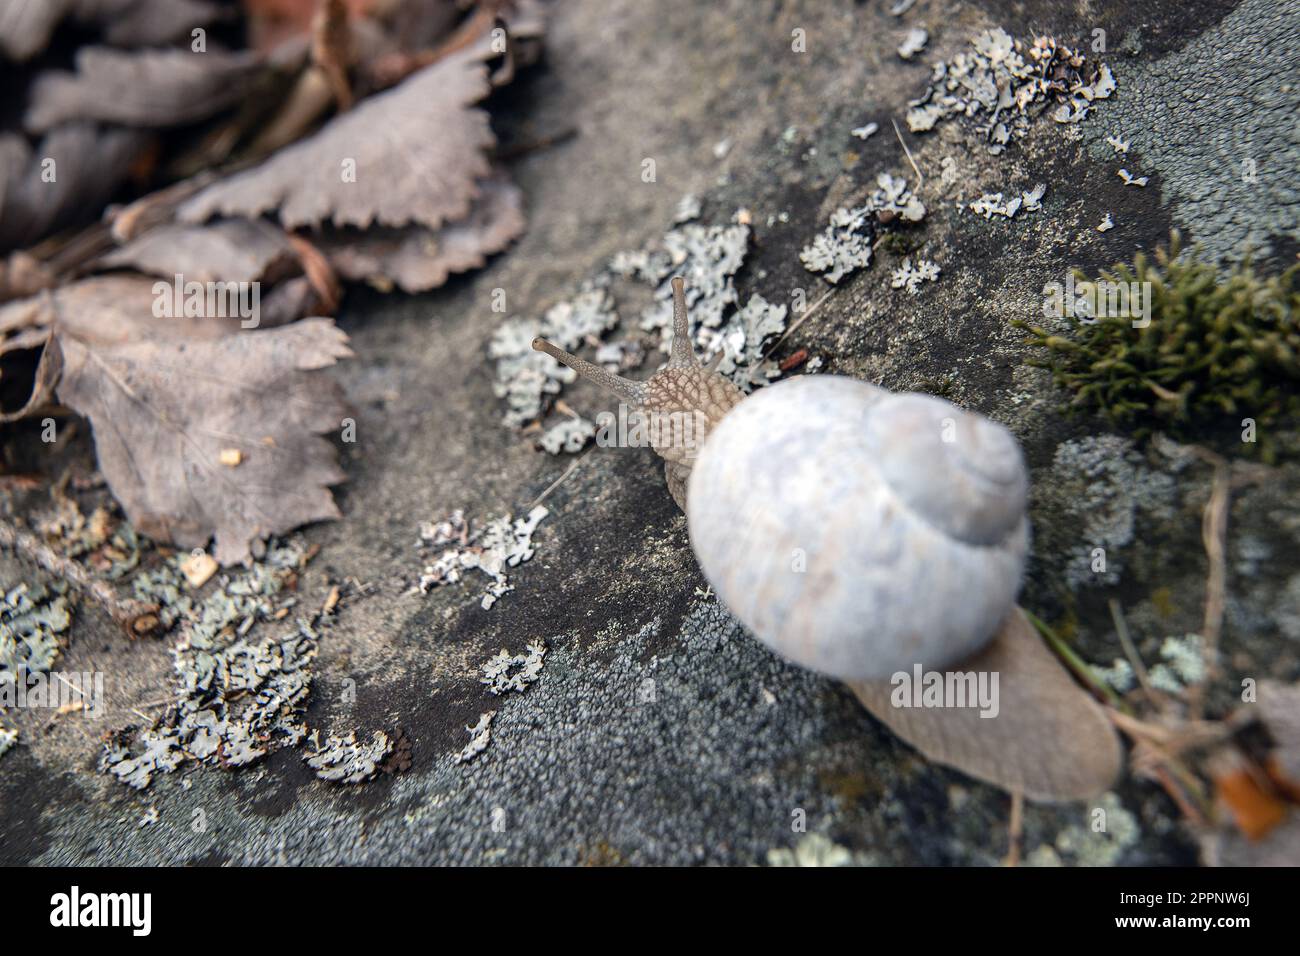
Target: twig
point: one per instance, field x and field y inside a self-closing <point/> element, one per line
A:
<point x="1081" y="668"/>
<point x="136" y="617"/>
<point x="1015" y="828"/>
<point x="513" y="151"/>
<point x="800" y="321"/>
<point x="557" y="482"/>
<point x="1139" y="668"/>
<point x="332" y="49"/>
<point x="1214" y="533"/>
<point x="920" y="178"/>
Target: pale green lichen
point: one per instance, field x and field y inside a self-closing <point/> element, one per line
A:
<point x="1108" y="832"/>
<point x="815" y="849"/>
<point x="236" y="698"/>
<point x="344" y="760"/>
<point x="1183" y="665"/>
<point x="31" y="619"/>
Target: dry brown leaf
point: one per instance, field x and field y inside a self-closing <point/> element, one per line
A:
<point x="1049" y="740"/>
<point x="1255" y="807"/>
<point x="1279" y="705"/>
<point x="165" y="410"/>
<point x="26" y="26"/>
<point x="1226" y="846"/>
<point x="233" y="250"/>
<point x="417" y="152"/>
<point x="272" y="22"/>
<point x="110" y="310"/>
<point x="22" y="274"/>
<point x="151" y="89"/>
<point x="135" y="23"/>
<point x="29" y="398"/>
<point x="89" y="163"/>
<point x="418" y="259"/>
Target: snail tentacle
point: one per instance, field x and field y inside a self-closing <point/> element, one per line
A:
<point x="634" y="393"/>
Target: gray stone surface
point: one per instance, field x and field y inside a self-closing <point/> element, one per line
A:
<point x="584" y="767"/>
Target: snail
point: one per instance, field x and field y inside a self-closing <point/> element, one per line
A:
<point x="682" y="401"/>
<point x="863" y="534"/>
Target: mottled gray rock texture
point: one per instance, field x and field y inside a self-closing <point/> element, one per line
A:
<point x="657" y="731"/>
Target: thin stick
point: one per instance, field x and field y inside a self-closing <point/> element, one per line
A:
<point x="1015" y="828"/>
<point x="1214" y="533"/>
<point x="557" y="482"/>
<point x="800" y="321"/>
<point x="920" y="178"/>
<point x="1139" y="668"/>
<point x="136" y="617"/>
<point x="1078" y="665"/>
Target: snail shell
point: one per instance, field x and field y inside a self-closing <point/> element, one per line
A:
<point x="858" y="532"/>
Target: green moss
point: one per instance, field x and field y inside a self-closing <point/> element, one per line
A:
<point x="902" y="243"/>
<point x="1217" y="350"/>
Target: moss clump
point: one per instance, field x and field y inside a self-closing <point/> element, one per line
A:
<point x="1217" y="350"/>
<point x="902" y="243"/>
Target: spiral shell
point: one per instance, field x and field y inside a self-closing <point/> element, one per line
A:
<point x="858" y="532"/>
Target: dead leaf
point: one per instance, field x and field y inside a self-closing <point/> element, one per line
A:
<point x="412" y="154"/>
<point x="1049" y="739"/>
<point x="1225" y="846"/>
<point x="1279" y="705"/>
<point x="137" y="23"/>
<point x="111" y="310"/>
<point x="1255" y="808"/>
<point x="28" y="399"/>
<point x="163" y="411"/>
<point x="26" y="26"/>
<point x="418" y="259"/>
<point x="70" y="175"/>
<point x="151" y="89"/>
<point x="22" y="274"/>
<point x="233" y="250"/>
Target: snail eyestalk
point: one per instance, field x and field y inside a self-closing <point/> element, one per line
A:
<point x="631" y="392"/>
<point x="683" y="353"/>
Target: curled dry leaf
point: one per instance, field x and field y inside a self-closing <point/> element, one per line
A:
<point x="1049" y="740"/>
<point x="413" y="154"/>
<point x="418" y="259"/>
<point x="164" y="413"/>
<point x="70" y="175"/>
<point x="26" y="26"/>
<point x="134" y="23"/>
<point x="151" y="89"/>
<point x="110" y="310"/>
<point x="233" y="250"/>
<point x="48" y="369"/>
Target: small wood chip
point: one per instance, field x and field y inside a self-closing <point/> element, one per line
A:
<point x="198" y="568"/>
<point x="231" y="457"/>
<point x="794" y="361"/>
